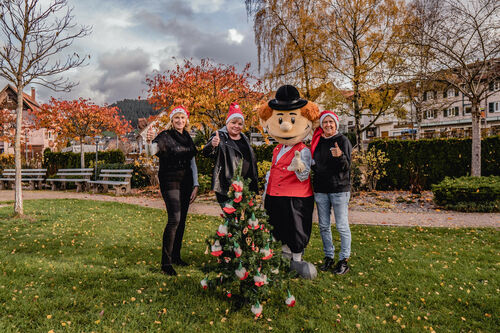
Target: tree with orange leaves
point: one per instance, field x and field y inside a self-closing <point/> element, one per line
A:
<point x="80" y="118"/>
<point x="206" y="90"/>
<point x="7" y="125"/>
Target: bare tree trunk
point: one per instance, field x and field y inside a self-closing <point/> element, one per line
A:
<point x="82" y="155"/>
<point x="476" y="140"/>
<point x="18" y="206"/>
<point x="357" y="116"/>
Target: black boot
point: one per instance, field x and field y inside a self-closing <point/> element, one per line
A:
<point x="341" y="267"/>
<point x="327" y="264"/>
<point x="168" y="270"/>
<point x="179" y="262"/>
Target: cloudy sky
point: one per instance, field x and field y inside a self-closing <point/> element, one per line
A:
<point x="131" y="39"/>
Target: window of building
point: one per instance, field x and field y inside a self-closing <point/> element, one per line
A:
<point x="494" y="107"/>
<point x="467" y="109"/>
<point x="350" y="123"/>
<point x="494" y="86"/>
<point x="430" y="114"/>
<point x="445" y="93"/>
<point x="457" y="93"/>
<point x="445" y="113"/>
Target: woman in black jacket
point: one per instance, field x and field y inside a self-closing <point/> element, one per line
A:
<point x="178" y="177"/>
<point x="331" y="153"/>
<point x="228" y="146"/>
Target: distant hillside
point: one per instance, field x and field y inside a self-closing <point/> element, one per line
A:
<point x="133" y="109"/>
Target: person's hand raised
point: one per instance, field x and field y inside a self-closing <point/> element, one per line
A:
<point x="336" y="152"/>
<point x="216" y="139"/>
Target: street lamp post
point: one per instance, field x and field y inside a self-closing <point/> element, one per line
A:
<point x="97" y="138"/>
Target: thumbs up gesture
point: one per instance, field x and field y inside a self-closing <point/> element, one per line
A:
<point x="297" y="164"/>
<point x="336" y="152"/>
<point x="216" y="139"/>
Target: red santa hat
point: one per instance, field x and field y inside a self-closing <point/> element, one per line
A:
<point x="179" y="109"/>
<point x="234" y="112"/>
<point x="327" y="113"/>
<point x="319" y="131"/>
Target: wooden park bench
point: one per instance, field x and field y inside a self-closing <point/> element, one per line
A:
<point x="34" y="177"/>
<point x="120" y="183"/>
<point x="78" y="176"/>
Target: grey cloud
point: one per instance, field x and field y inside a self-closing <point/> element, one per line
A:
<point x="194" y="42"/>
<point x="123" y="75"/>
<point x="179" y="8"/>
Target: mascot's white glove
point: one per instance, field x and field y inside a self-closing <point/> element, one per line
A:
<point x="297" y="163"/>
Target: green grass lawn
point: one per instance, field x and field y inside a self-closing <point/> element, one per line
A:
<point x="82" y="266"/>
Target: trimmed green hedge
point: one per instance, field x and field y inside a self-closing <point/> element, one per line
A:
<point x="206" y="165"/>
<point x="425" y="162"/>
<point x="469" y="194"/>
<point x="55" y="161"/>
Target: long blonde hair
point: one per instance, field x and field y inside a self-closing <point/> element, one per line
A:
<point x="187" y="127"/>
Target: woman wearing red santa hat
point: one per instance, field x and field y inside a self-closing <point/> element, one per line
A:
<point x="178" y="177"/>
<point x="331" y="153"/>
<point x="228" y="146"/>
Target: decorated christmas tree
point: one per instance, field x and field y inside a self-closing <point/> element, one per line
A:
<point x="246" y="258"/>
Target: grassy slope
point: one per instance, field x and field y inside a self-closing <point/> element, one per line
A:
<point x="93" y="266"/>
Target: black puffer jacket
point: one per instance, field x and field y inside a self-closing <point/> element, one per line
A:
<point x="227" y="157"/>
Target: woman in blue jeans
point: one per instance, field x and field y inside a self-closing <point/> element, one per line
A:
<point x="331" y="153"/>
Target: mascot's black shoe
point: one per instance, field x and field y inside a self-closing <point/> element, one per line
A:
<point x="327" y="264"/>
<point x="341" y="267"/>
<point x="168" y="270"/>
<point x="179" y="262"/>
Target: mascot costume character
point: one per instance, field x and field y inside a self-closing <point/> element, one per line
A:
<point x="289" y="198"/>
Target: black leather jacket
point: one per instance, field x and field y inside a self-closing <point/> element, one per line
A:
<point x="227" y="157"/>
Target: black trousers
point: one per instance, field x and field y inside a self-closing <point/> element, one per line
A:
<point x="221" y="199"/>
<point x="176" y="192"/>
<point x="291" y="218"/>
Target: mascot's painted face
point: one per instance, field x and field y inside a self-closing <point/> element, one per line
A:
<point x="288" y="127"/>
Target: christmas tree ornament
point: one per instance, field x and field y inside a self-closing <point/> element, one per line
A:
<point x="260" y="279"/>
<point x="266" y="252"/>
<point x="257" y="309"/>
<point x="228" y="294"/>
<point x="237" y="250"/>
<point x="216" y="249"/>
<point x="222" y="231"/>
<point x="290" y="300"/>
<point x="253" y="223"/>
<point x="237" y="185"/>
<point x="238" y="196"/>
<point x="241" y="272"/>
<point x="204" y="283"/>
<point x="228" y="208"/>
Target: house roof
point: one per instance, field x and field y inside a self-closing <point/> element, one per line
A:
<point x="30" y="102"/>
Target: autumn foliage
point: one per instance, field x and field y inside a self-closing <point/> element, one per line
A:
<point x="206" y="90"/>
<point x="7" y="124"/>
<point x="79" y="118"/>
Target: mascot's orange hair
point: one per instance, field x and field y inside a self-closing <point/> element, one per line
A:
<point x="310" y="111"/>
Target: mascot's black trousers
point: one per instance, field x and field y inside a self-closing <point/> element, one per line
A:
<point x="291" y="218"/>
<point x="176" y="189"/>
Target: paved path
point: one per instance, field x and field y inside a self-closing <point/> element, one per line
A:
<point x="430" y="219"/>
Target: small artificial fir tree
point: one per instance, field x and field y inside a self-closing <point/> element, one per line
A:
<point x="247" y="256"/>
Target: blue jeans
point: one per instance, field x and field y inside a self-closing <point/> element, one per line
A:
<point x="339" y="202"/>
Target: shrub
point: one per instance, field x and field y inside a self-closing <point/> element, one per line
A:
<point x="469" y="194"/>
<point x="262" y="168"/>
<point x="205" y="183"/>
<point x="6" y="161"/>
<point x="416" y="164"/>
<point x="55" y="161"/>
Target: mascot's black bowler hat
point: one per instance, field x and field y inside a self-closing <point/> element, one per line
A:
<point x="287" y="98"/>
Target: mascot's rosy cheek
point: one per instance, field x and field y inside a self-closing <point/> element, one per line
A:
<point x="289" y="200"/>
